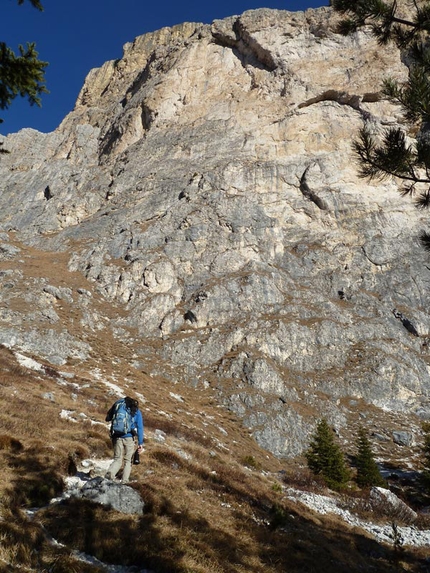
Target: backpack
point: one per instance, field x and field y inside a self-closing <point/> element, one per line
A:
<point x="122" y="419"/>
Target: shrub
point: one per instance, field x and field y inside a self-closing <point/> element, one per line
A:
<point x="367" y="471"/>
<point x="251" y="462"/>
<point x="279" y="517"/>
<point x="325" y="457"/>
<point x="277" y="487"/>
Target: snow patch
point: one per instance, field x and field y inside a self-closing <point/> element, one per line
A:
<point x="114" y="387"/>
<point x="29" y="363"/>
<point x="68" y="415"/>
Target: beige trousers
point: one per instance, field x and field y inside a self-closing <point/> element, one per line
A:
<point x="123" y="449"/>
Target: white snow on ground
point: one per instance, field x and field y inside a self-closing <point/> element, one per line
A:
<point x="68" y="415"/>
<point x="108" y="568"/>
<point x="114" y="387"/>
<point x="88" y="467"/>
<point x="72" y="416"/>
<point x="29" y="363"/>
<point x="323" y="504"/>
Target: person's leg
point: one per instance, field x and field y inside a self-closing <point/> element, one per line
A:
<point x="118" y="452"/>
<point x="128" y="455"/>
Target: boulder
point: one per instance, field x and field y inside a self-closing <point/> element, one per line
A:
<point x="120" y="497"/>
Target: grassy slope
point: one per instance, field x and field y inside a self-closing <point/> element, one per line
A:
<point x="212" y="505"/>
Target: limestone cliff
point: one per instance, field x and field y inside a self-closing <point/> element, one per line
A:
<point x="205" y="184"/>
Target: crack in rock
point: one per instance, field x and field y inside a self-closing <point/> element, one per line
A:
<point x="249" y="51"/>
<point x="309" y="194"/>
<point x="344" y="98"/>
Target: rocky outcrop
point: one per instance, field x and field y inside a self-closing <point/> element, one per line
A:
<point x="392" y="505"/>
<point x="118" y="496"/>
<point x="206" y="184"/>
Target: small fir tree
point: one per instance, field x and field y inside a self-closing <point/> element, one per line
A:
<point x="367" y="471"/>
<point x="325" y="458"/>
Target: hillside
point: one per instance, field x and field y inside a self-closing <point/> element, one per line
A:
<point x="213" y="500"/>
<point x="195" y="234"/>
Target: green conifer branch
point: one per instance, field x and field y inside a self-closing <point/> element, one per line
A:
<point x="391" y="155"/>
<point x="23" y="74"/>
<point x="35" y="3"/>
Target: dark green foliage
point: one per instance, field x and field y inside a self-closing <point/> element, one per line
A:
<point x="392" y="157"/>
<point x="279" y="518"/>
<point x="374" y="12"/>
<point x="251" y="462"/>
<point x="392" y="154"/>
<point x="383" y="19"/>
<point x="325" y="458"/>
<point x="36" y="3"/>
<point x="22" y="74"/>
<point x="425" y="240"/>
<point x="413" y="95"/>
<point x="367" y="471"/>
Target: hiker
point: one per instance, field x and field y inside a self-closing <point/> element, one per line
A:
<point x="127" y="422"/>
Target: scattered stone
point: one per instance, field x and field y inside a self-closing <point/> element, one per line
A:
<point x="60" y="293"/>
<point x="324" y="504"/>
<point x="380" y="437"/>
<point x="8" y="251"/>
<point x="160" y="436"/>
<point x="402" y="438"/>
<point x="84" y="292"/>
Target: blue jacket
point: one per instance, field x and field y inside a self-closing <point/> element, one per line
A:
<point x="138" y="421"/>
<point x="137" y="425"/>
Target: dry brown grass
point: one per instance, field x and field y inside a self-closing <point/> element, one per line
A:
<point x="24" y="545"/>
<point x="216" y="517"/>
<point x="300" y="477"/>
<point x="213" y="500"/>
<point x="377" y="511"/>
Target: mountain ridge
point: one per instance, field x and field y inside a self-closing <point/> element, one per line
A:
<point x="195" y="234"/>
<point x="205" y="185"/>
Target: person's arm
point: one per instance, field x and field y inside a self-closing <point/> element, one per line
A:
<point x="139" y="428"/>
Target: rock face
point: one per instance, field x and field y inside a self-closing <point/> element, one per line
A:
<point x="206" y="184"/>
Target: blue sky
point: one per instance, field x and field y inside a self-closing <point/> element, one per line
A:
<point x="76" y="36"/>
